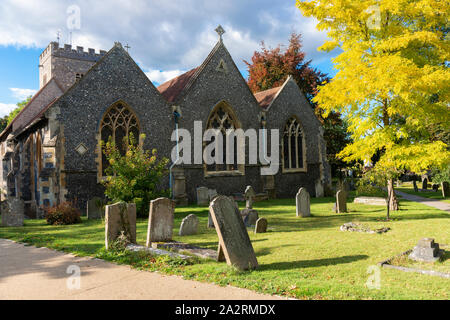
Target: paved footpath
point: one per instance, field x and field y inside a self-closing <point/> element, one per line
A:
<point x="32" y="273"/>
<point x="441" y="205"/>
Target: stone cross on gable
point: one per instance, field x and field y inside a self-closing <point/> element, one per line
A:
<point x="249" y="195"/>
<point x="220" y="31"/>
<point x="127" y="47"/>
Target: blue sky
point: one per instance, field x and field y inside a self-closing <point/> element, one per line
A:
<point x="167" y="38"/>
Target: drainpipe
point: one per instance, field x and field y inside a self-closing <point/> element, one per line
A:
<point x="176" y="117"/>
<point x="264" y="122"/>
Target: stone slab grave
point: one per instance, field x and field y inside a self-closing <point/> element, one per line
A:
<point x="233" y="237"/>
<point x="181" y="248"/>
<point x="426" y="251"/>
<point x="375" y="201"/>
<point x="445" y="189"/>
<point x="356" y="227"/>
<point x="94" y="209"/>
<point x="160" y="221"/>
<point x="202" y="196"/>
<point x="120" y="217"/>
<point x="261" y="225"/>
<point x="303" y="205"/>
<point x="249" y="215"/>
<point x="189" y="225"/>
<point x="158" y="252"/>
<point x="341" y="201"/>
<point x="12" y="211"/>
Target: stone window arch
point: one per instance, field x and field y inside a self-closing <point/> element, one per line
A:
<point x="294" y="147"/>
<point x="223" y="118"/>
<point x="117" y="122"/>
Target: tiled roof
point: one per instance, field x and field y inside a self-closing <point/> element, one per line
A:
<point x="173" y="88"/>
<point x="40" y="101"/>
<point x="266" y="97"/>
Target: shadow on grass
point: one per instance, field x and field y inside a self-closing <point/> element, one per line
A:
<point x="312" y="263"/>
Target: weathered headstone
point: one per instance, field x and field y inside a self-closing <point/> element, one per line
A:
<point x="120" y="217"/>
<point x="261" y="225"/>
<point x="303" y="206"/>
<point x="425" y="184"/>
<point x="210" y="221"/>
<point x="341" y="201"/>
<point x="426" y="251"/>
<point x="445" y="189"/>
<point x="233" y="237"/>
<point x="249" y="195"/>
<point x="189" y="225"/>
<point x="202" y="196"/>
<point x="94" y="208"/>
<point x="160" y="221"/>
<point x="249" y="215"/>
<point x="212" y="193"/>
<point x="12" y="211"/>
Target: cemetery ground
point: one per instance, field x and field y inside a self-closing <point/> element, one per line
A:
<point x="303" y="258"/>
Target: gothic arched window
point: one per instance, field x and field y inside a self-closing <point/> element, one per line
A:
<point x="118" y="122"/>
<point x="222" y="118"/>
<point x="294" y="147"/>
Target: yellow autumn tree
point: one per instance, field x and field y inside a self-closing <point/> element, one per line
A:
<point x="393" y="78"/>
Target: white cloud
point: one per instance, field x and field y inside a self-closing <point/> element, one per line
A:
<point x="159" y="77"/>
<point x="22" y="94"/>
<point x="6" y="108"/>
<point x="163" y="35"/>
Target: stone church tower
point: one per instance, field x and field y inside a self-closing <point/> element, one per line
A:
<point x="65" y="65"/>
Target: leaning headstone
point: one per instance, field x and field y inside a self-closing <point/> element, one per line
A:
<point x="426" y="251"/>
<point x="94" y="208"/>
<point x="120" y="217"/>
<point x="160" y="221"/>
<point x="13" y="212"/>
<point x="202" y="196"/>
<point x="233" y="237"/>
<point x="341" y="201"/>
<point x="303" y="203"/>
<point x="261" y="225"/>
<point x="425" y="184"/>
<point x="445" y="189"/>
<point x="189" y="225"/>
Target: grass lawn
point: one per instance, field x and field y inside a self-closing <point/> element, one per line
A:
<point x="430" y="194"/>
<point x="305" y="258"/>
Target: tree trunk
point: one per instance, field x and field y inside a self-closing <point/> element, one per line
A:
<point x="393" y="201"/>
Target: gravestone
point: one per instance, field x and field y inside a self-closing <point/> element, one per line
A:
<point x="120" y="217"/>
<point x="341" y="201"/>
<point x="416" y="189"/>
<point x="212" y="193"/>
<point x="249" y="195"/>
<point x="303" y="206"/>
<point x="435" y="187"/>
<point x="425" y="184"/>
<point x="12" y="211"/>
<point x="233" y="237"/>
<point x="426" y="251"/>
<point x="261" y="225"/>
<point x="249" y="215"/>
<point x="445" y="189"/>
<point x="210" y="221"/>
<point x="189" y="225"/>
<point x="160" y="221"/>
<point x="94" y="208"/>
<point x="202" y="196"/>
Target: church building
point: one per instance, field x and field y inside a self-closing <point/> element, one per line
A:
<point x="51" y="151"/>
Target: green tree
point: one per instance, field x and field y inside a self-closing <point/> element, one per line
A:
<point x="393" y="79"/>
<point x="20" y="106"/>
<point x="133" y="177"/>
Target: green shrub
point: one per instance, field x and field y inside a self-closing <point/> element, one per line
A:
<point x="133" y="177"/>
<point x="368" y="190"/>
<point x="63" y="214"/>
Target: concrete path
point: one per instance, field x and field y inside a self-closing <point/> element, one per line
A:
<point x="39" y="273"/>
<point x="441" y="205"/>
